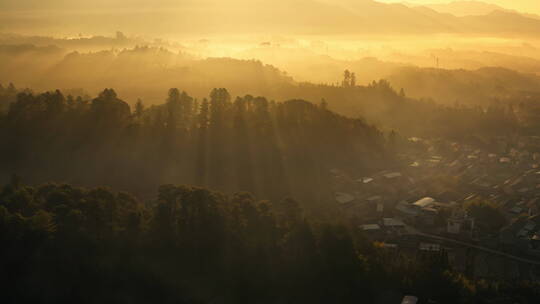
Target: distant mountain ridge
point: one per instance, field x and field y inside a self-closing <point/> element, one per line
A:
<point x="460" y="8"/>
<point x="468" y="8"/>
<point x="211" y="17"/>
<point x="486" y="19"/>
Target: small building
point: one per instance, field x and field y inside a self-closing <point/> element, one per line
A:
<point x="530" y="226"/>
<point x="366" y="180"/>
<point x="522" y="233"/>
<point x="409" y="300"/>
<point x="344" y="198"/>
<point x="458" y="222"/>
<point x="516" y="210"/>
<point x="505" y="160"/>
<point x="453" y="225"/>
<point x="534" y="246"/>
<point x="431" y="247"/>
<point x="424" y="202"/>
<point x="370" y="227"/>
<point x="389" y="245"/>
<point x="393" y="223"/>
<point x="407" y="209"/>
<point x="393" y="175"/>
<point x="428" y="216"/>
<point x="373" y="231"/>
<point x="374" y="198"/>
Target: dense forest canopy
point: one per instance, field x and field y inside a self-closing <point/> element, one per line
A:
<point x="191" y="245"/>
<point x="243" y="144"/>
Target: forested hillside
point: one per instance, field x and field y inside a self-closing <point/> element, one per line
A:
<point x="249" y="143"/>
<point x="145" y="72"/>
<point x="467" y="87"/>
<point x="190" y="245"/>
<point x="391" y="109"/>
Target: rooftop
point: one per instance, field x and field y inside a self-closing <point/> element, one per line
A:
<point x="409" y="300"/>
<point x="344" y="198"/>
<point x="370" y="227"/>
<point x="430" y="247"/>
<point x="424" y="202"/>
<point x="392" y="222"/>
<point x="392" y="175"/>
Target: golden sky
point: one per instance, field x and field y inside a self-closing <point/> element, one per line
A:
<point x="527" y="6"/>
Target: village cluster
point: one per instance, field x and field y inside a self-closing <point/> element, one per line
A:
<point x="421" y="206"/>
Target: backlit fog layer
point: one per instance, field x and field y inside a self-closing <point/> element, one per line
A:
<point x="198" y="45"/>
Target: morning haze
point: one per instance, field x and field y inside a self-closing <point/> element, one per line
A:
<point x="284" y="151"/>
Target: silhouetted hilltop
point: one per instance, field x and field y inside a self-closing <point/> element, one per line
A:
<point x="468" y="87"/>
<point x="139" y="72"/>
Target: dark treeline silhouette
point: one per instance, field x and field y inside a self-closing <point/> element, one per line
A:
<point x="390" y="109"/>
<point x="63" y="244"/>
<point x="272" y="149"/>
<point x="151" y="70"/>
<point x="459" y="97"/>
<point x="446" y="102"/>
<point x="8" y="95"/>
<point x="246" y="144"/>
<point x="472" y="87"/>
